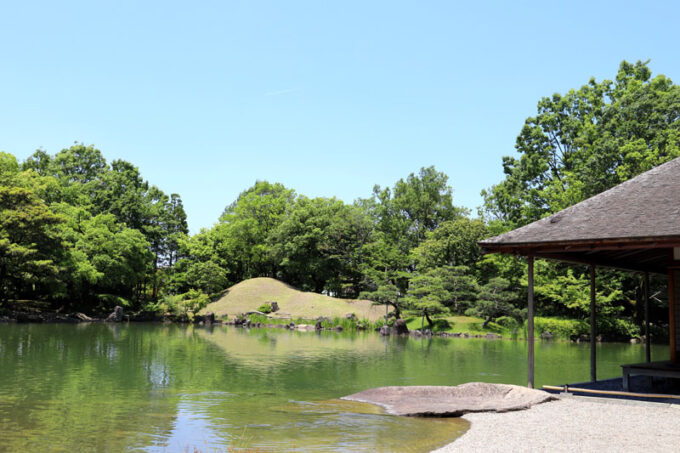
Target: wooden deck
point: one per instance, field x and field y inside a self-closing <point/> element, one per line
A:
<point x="658" y="369"/>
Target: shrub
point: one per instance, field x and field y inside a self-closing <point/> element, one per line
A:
<point x="187" y="304"/>
<point x="560" y="327"/>
<point x="617" y="329"/>
<point x="109" y="301"/>
<point x="507" y="322"/>
<point x="265" y="308"/>
<point x="255" y="318"/>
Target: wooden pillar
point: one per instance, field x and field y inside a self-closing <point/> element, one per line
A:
<point x="648" y="340"/>
<point x="674" y="303"/>
<point x="530" y="324"/>
<point x="593" y="330"/>
<point x="672" y="321"/>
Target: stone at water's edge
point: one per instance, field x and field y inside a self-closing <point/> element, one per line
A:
<point x="83" y="317"/>
<point x="117" y="315"/>
<point x="445" y="401"/>
<point x="400" y="327"/>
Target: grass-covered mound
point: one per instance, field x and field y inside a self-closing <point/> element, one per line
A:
<point x="250" y="295"/>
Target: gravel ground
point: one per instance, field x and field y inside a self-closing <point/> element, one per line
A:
<point x="575" y="424"/>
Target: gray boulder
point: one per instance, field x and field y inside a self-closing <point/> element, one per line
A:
<point x="83" y="317"/>
<point x="400" y="327"/>
<point x="444" y="401"/>
<point x="117" y="315"/>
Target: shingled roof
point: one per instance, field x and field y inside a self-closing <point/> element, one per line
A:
<point x="640" y="214"/>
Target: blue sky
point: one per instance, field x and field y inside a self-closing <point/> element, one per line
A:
<point x="328" y="98"/>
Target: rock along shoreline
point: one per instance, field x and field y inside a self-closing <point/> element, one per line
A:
<point x="118" y="315"/>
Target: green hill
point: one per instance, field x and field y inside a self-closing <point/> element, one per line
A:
<point x="251" y="294"/>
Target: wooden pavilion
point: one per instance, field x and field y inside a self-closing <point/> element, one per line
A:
<point x="634" y="226"/>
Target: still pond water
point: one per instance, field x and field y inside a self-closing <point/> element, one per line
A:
<point x="169" y="388"/>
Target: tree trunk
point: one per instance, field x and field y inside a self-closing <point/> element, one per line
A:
<point x="397" y="312"/>
<point x="430" y="323"/>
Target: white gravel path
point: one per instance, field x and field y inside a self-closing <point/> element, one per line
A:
<point x="575" y="424"/>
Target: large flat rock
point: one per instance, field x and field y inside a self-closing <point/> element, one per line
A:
<point x="444" y="401"/>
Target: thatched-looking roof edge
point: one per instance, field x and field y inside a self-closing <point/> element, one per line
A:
<point x="646" y="207"/>
<point x="525" y="248"/>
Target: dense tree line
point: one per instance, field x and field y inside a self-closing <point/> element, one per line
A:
<point x="81" y="232"/>
<point x="78" y="231"/>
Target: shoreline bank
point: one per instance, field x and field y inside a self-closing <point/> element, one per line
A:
<point x="50" y="317"/>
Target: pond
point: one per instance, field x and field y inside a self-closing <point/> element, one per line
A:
<point x="168" y="388"/>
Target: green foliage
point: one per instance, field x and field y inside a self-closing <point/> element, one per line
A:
<point x="507" y="322"/>
<point x="29" y="243"/>
<point x="87" y="228"/>
<point x="618" y="329"/>
<point x="453" y="243"/>
<point x="494" y="301"/>
<point x="8" y="164"/>
<point x="415" y="206"/>
<point x="185" y="305"/>
<point x="318" y="245"/>
<point x="385" y="293"/>
<point x="255" y="318"/>
<point x="245" y="228"/>
<point x="565" y="290"/>
<point x="108" y="301"/>
<point x="428" y="295"/>
<point x="206" y="276"/>
<point x="586" y="141"/>
<point x="562" y="328"/>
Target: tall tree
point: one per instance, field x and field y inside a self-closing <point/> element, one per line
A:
<point x="247" y="225"/>
<point x="587" y="141"/>
<point x="29" y="243"/>
<point x="317" y="246"/>
<point x="453" y="243"/>
<point x="79" y="163"/>
<point x="415" y="206"/>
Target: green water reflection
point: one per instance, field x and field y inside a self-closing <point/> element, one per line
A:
<point x="173" y="388"/>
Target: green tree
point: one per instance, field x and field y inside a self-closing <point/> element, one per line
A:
<point x="8" y="165"/>
<point x="317" y="246"/>
<point x="29" y="243"/>
<point x="385" y="293"/>
<point x="79" y="163"/>
<point x="428" y="294"/>
<point x="462" y="286"/>
<point x="121" y="256"/>
<point x="494" y="300"/>
<point x="453" y="243"/>
<point x="565" y="291"/>
<point x="175" y="224"/>
<point x="586" y="141"/>
<point x="415" y="206"/>
<point x="247" y="224"/>
<point x="207" y="276"/>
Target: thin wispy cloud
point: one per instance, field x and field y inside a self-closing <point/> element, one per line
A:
<point x="282" y="92"/>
